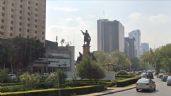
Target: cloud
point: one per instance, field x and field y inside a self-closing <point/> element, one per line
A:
<point x="65" y="9"/>
<point x="158" y="19"/>
<point x="155" y="29"/>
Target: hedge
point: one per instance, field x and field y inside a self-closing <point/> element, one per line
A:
<point x="126" y="82"/>
<point x="57" y="92"/>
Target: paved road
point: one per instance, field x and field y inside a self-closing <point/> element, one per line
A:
<point x="161" y="90"/>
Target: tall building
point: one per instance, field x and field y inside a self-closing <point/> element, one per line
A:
<point x="23" y="18"/>
<point x="129" y="47"/>
<point x="110" y="35"/>
<point x="144" y="48"/>
<point x="136" y="35"/>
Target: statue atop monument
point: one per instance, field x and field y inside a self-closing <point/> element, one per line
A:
<point x="87" y="38"/>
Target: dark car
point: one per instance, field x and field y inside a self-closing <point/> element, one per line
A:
<point x="150" y="75"/>
<point x="164" y="79"/>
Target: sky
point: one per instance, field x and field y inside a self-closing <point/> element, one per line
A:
<point x="65" y="19"/>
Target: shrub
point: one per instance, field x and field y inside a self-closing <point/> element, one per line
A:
<point x="122" y="72"/>
<point x="4" y="76"/>
<point x="12" y="88"/>
<point x="56" y="77"/>
<point x="56" y="92"/>
<point x="126" y="82"/>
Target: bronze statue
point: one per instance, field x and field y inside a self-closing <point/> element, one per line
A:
<point x="87" y="38"/>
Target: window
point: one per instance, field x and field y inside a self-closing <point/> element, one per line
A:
<point x="35" y="20"/>
<point x="12" y="22"/>
<point x="28" y="13"/>
<point x="28" y="30"/>
<point x="12" y="10"/>
<point x="28" y="2"/>
<point x="36" y="9"/>
<point x="43" y="33"/>
<point x="21" y="6"/>
<point x="12" y="4"/>
<point x="10" y="34"/>
<point x="28" y="19"/>
<point x="3" y="8"/>
<point x="2" y="20"/>
<point x="36" y="4"/>
<point x="28" y="7"/>
<point x="36" y="32"/>
<point x="35" y="37"/>
<point x="20" y="23"/>
<point x="3" y="14"/>
<point x="35" y="26"/>
<point x="36" y="15"/>
<point x="12" y="16"/>
<point x="28" y="25"/>
<point x="20" y="17"/>
<point x="2" y="27"/>
<point x="20" y="11"/>
<point x="11" y="28"/>
<point x="19" y="29"/>
<point x="27" y="36"/>
<point x="19" y="35"/>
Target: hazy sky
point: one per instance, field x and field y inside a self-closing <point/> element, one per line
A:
<point x="65" y="19"/>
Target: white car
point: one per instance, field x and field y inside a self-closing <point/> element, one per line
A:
<point x="168" y="80"/>
<point x="12" y="76"/>
<point x="145" y="84"/>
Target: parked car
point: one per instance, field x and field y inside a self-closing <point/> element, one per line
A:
<point x="164" y="79"/>
<point x="160" y="75"/>
<point x="12" y="76"/>
<point x="168" y="80"/>
<point x="145" y="84"/>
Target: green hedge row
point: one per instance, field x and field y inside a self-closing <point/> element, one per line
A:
<point x="57" y="92"/>
<point x="126" y="82"/>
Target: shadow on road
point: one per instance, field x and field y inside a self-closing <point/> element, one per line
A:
<point x="148" y="91"/>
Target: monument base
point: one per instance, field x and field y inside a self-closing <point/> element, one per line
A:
<point x="86" y="50"/>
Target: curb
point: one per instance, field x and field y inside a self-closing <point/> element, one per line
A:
<point x="116" y="91"/>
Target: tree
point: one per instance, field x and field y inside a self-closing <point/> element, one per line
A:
<point x="121" y="61"/>
<point x="113" y="61"/>
<point x="4" y="76"/>
<point x="19" y="53"/>
<point x="88" y="69"/>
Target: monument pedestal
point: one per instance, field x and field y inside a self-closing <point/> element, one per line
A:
<point x="86" y="50"/>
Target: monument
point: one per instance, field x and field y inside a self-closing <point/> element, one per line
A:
<point x="86" y="47"/>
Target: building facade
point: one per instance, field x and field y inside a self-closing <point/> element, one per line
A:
<point x="136" y="35"/>
<point x="56" y="57"/>
<point x="23" y="18"/>
<point x="144" y="48"/>
<point x="129" y="47"/>
<point x="110" y="35"/>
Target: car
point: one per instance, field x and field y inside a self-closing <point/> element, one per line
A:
<point x="145" y="84"/>
<point x="150" y="75"/>
<point x="12" y="76"/>
<point x="168" y="80"/>
<point x="164" y="79"/>
<point x="160" y="75"/>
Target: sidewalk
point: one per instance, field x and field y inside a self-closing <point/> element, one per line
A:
<point x="111" y="90"/>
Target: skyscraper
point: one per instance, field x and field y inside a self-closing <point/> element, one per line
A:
<point x="144" y="48"/>
<point x="110" y="35"/>
<point x="23" y="18"/>
<point x="137" y="41"/>
<point x="129" y="47"/>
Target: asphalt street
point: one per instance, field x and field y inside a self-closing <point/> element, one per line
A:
<point x="161" y="90"/>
